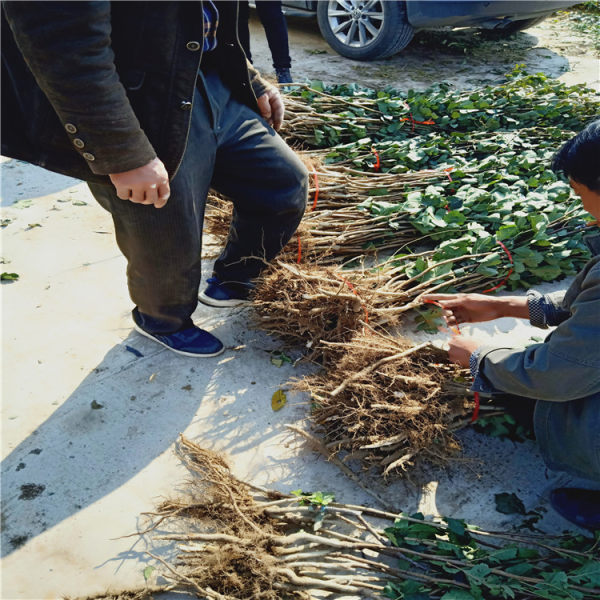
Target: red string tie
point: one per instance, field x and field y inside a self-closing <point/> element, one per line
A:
<point x="454" y="330"/>
<point x="353" y="290"/>
<point x="412" y="121"/>
<point x="299" y="259"/>
<point x="475" y="415"/>
<point x="503" y="282"/>
<point x="314" y="204"/>
<point x="377" y="164"/>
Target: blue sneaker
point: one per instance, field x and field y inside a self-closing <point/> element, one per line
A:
<point x="220" y="295"/>
<point x="187" y="342"/>
<point x="579" y="506"/>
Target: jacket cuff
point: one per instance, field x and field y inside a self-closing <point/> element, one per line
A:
<point x="474" y="362"/>
<point x="259" y="85"/>
<point x="120" y="148"/>
<point x="481" y="384"/>
<point x="537" y="309"/>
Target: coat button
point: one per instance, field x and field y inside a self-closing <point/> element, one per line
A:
<point x="78" y="143"/>
<point x="88" y="156"/>
<point x="70" y="128"/>
<point x="193" y="46"/>
<point x="185" y="105"/>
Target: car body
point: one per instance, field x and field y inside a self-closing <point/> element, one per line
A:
<point x="370" y="29"/>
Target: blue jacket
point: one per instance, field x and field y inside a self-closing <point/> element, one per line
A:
<point x="566" y="366"/>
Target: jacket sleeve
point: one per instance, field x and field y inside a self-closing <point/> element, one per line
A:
<point x="564" y="367"/>
<point x="259" y="85"/>
<point x="68" y="49"/>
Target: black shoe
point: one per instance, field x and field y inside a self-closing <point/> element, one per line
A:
<point x="284" y="76"/>
<point x="579" y="506"/>
<point x="188" y="342"/>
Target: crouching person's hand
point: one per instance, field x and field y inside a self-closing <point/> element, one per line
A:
<point x="460" y="349"/>
<point x="145" y="185"/>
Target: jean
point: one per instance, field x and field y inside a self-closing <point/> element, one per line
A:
<point x="273" y="21"/>
<point x="568" y="434"/>
<point x="234" y="151"/>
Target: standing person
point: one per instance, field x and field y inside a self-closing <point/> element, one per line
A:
<point x="557" y="380"/>
<point x="271" y="16"/>
<point x="153" y="103"/>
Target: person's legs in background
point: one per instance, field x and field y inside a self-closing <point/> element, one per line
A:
<point x="273" y="21"/>
<point x="272" y="18"/>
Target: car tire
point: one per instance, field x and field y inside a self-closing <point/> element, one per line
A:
<point x="515" y="26"/>
<point x="381" y="32"/>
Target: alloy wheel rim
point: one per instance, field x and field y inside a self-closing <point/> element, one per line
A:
<point x="356" y="23"/>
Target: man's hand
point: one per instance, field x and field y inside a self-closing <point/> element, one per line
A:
<point x="145" y="185"/>
<point x="474" y="308"/>
<point x="271" y="107"/>
<point x="461" y="348"/>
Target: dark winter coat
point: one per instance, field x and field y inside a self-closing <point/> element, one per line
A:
<point x="92" y="88"/>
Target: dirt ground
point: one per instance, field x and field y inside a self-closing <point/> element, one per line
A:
<point x="464" y="58"/>
<point x="90" y="410"/>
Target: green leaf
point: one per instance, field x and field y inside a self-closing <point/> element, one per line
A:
<point x="519" y="569"/>
<point x="507" y="232"/>
<point x="503" y="555"/>
<point x="588" y="573"/>
<point x="457" y="531"/>
<point x="148" y="572"/>
<point x="509" y="504"/>
<point x="9" y="277"/>
<point x="378" y="192"/>
<point x="457" y="595"/>
<point x="547" y="272"/>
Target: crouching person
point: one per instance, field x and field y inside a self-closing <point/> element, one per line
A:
<point x="558" y="381"/>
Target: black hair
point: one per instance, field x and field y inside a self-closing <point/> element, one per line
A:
<point x="579" y="158"/>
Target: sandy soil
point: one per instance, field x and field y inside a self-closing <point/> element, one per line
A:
<point x="90" y="410"/>
<point x="464" y="58"/>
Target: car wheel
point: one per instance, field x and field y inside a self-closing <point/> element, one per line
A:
<point x="515" y="26"/>
<point x="364" y="29"/>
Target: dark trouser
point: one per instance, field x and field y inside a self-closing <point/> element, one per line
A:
<point x="273" y="21"/>
<point x="231" y="149"/>
<point x="568" y="433"/>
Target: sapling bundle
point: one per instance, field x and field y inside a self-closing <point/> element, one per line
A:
<point x="319" y="117"/>
<point x="308" y="304"/>
<point x="237" y="541"/>
<point x="388" y="403"/>
<point x="335" y="224"/>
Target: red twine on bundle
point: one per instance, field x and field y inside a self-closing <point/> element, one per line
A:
<point x="475" y="415"/>
<point x="314" y="204"/>
<point x="313" y="207"/>
<point x="413" y="122"/>
<point x="353" y="290"/>
<point x="503" y="282"/>
<point x="456" y="329"/>
<point x="377" y="165"/>
<point x="299" y="250"/>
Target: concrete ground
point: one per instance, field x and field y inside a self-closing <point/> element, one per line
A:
<point x="91" y="410"/>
